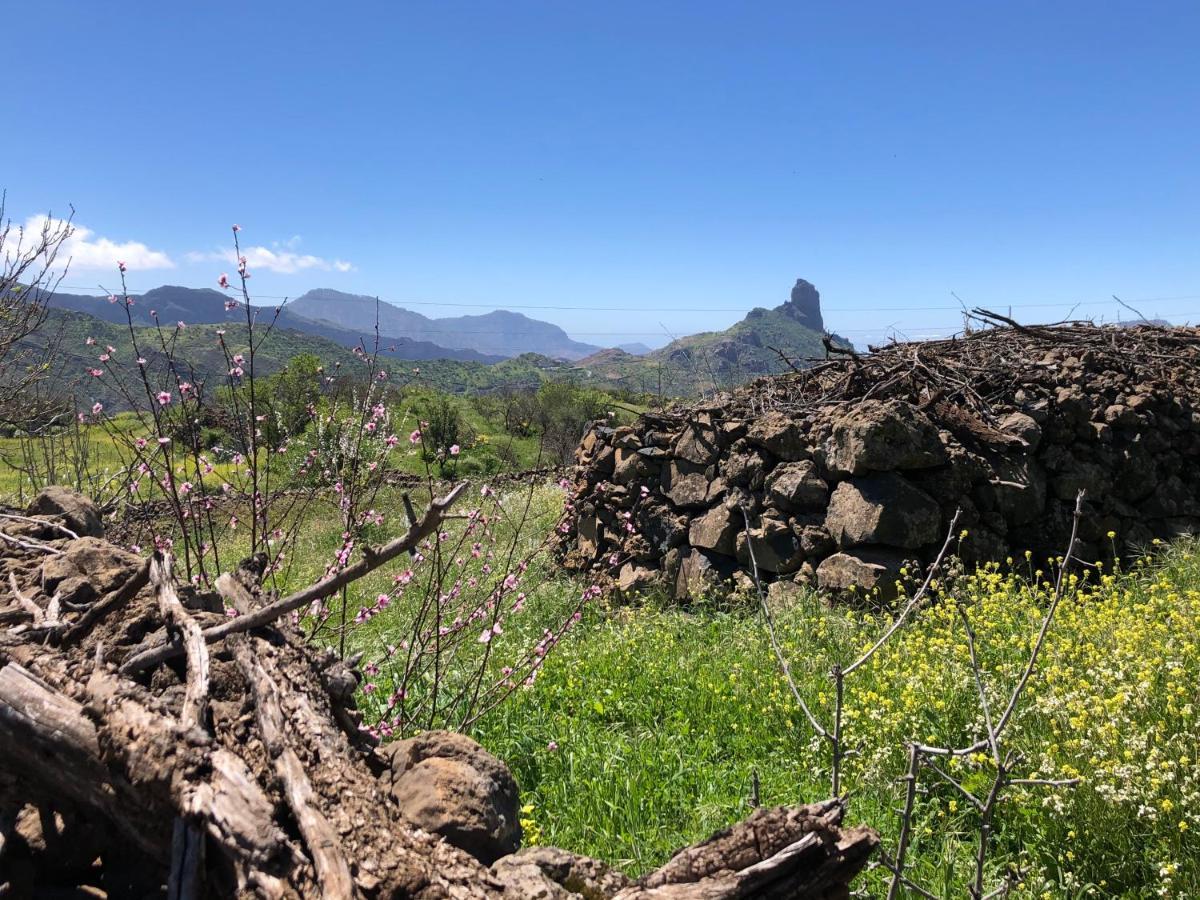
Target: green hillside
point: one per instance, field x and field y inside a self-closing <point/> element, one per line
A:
<point x="719" y="360"/>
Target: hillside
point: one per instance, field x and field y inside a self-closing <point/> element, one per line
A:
<point x="170" y="304"/>
<point x="718" y="360"/>
<point x="501" y="332"/>
<point x="198" y="351"/>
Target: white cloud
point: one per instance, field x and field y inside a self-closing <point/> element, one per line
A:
<point x="87" y="251"/>
<point x="280" y="258"/>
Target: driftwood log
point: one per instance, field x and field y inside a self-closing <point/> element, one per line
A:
<point x="151" y="744"/>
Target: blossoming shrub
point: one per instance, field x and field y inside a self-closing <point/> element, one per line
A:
<point x="658" y="720"/>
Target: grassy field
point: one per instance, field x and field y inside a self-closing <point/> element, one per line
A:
<point x="645" y="729"/>
<point x="646" y="725"/>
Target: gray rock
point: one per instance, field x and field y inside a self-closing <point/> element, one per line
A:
<point x="882" y="509"/>
<point x="78" y="512"/>
<point x="448" y="784"/>
<point x="879" y="437"/>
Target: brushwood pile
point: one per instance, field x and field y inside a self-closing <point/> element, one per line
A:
<point x="847" y="475"/>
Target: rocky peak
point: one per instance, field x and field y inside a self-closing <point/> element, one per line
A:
<point x="805" y="305"/>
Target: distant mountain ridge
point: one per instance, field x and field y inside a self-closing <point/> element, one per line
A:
<point x="203" y="306"/>
<point x="499" y="332"/>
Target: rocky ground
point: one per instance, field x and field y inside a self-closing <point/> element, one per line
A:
<point x="845" y="474"/>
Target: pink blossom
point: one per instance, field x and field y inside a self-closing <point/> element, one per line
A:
<point x="164" y="441"/>
<point x="180" y="324"/>
<point x="415" y="437"/>
<point x="95" y="373"/>
<point x="91" y="342"/>
<point x="552" y="746"/>
<point x="454" y="449"/>
<point x="103" y="357"/>
<point x="236" y="372"/>
<point x="185" y="488"/>
<point x="141" y="361"/>
<point x="230" y="304"/>
<point x="238" y="359"/>
<point x="392" y="440"/>
<point x="371" y="426"/>
<point x="223" y="282"/>
<point x="163" y="397"/>
<point x="237" y="228"/>
<point x="121" y="266"/>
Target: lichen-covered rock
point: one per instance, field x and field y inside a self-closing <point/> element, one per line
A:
<point x="882" y="509"/>
<point x="702" y="573"/>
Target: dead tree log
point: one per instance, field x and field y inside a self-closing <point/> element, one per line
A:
<point x="212" y="757"/>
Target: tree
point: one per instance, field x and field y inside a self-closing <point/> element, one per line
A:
<point x="28" y="278"/>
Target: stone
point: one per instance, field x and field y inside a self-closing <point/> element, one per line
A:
<point x="882" y="509"/>
<point x="715" y="530"/>
<point x="875" y="436"/>
<point x="448" y="784"/>
<point x="796" y="485"/>
<point x="1024" y="427"/>
<point x="744" y="469"/>
<point x="864" y="570"/>
<point x="783" y="595"/>
<point x="78" y="512"/>
<point x="104" y="565"/>
<point x="781" y="435"/>
<point x="697" y="446"/>
<point x="685" y="484"/>
<point x="776" y="550"/>
<point x="589" y="531"/>
<point x="636" y="579"/>
<point x="1019" y="490"/>
<point x="815" y="540"/>
<point x="661" y="527"/>
<point x="629" y="466"/>
<point x="702" y="573"/>
<point x="547" y="873"/>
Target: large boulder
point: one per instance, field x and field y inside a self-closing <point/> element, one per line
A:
<point x="448" y="784"/>
<point x="77" y="512"/>
<point x="874" y="436"/>
<point x="882" y="509"/>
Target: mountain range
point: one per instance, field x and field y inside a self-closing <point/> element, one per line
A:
<point x="498" y="349"/>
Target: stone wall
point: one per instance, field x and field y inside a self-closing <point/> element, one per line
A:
<point x="851" y="469"/>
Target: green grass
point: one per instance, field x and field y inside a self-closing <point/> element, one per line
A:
<point x="660" y="718"/>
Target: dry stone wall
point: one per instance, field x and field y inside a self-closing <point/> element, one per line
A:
<point x="852" y="469"/>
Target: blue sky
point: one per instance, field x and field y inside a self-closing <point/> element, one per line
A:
<point x="648" y="167"/>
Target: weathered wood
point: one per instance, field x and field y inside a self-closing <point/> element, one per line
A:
<point x="324" y="844"/>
